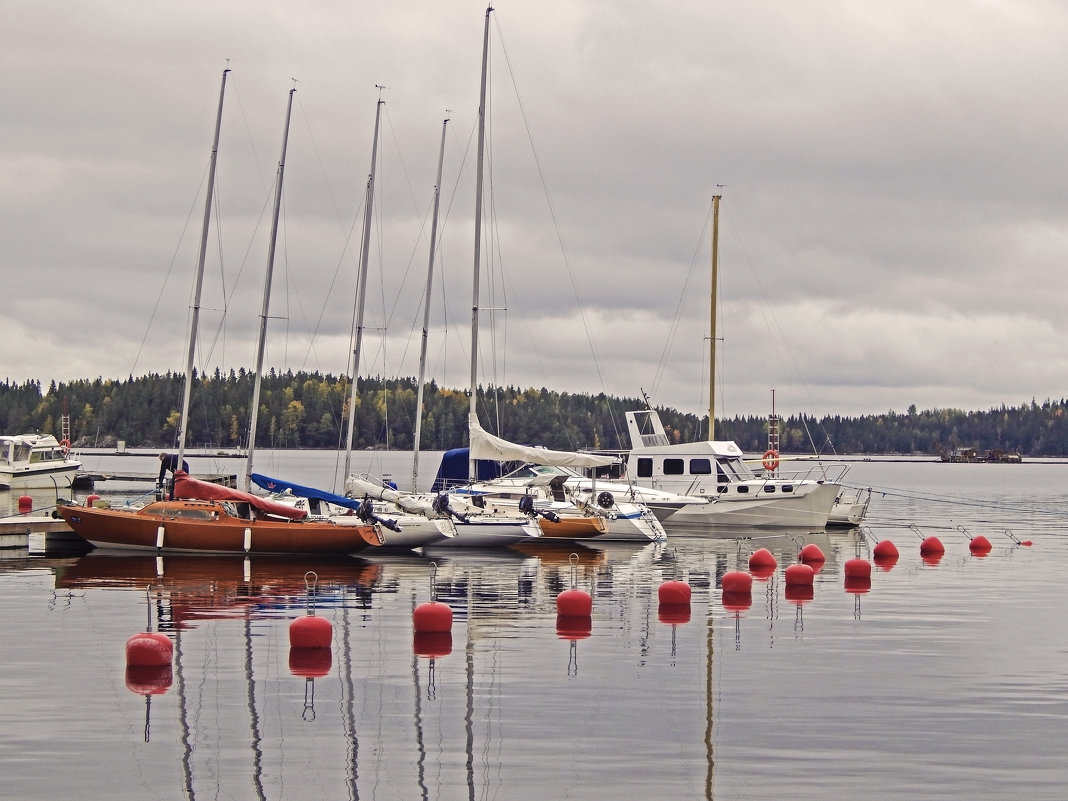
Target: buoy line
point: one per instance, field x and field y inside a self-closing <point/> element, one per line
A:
<point x="890" y="492"/>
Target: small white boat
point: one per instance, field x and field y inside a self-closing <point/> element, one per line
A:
<point x="35" y="461"/>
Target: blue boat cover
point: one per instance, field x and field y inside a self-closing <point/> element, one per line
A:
<point x="277" y="485"/>
<point x="452" y="471"/>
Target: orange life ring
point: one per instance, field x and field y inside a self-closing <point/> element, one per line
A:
<point x="771" y="459"/>
<point x="65" y="445"/>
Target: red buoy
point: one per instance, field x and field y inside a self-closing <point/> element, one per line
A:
<point x="884" y="549"/>
<point x="979" y="546"/>
<point x="932" y="546"/>
<point x="673" y="613"/>
<point x="857" y="584"/>
<point x="574" y="603"/>
<point x="149" y="679"/>
<point x="433" y="616"/>
<point x="573" y="627"/>
<point x="149" y="649"/>
<point x="857" y="568"/>
<point x="432" y="644"/>
<point x="812" y="554"/>
<point x="25" y="504"/>
<point x="799" y="573"/>
<point x="310" y="663"/>
<point x="737" y="581"/>
<point x="799" y="593"/>
<point x="310" y="631"/>
<point x="674" y="592"/>
<point x="762" y="560"/>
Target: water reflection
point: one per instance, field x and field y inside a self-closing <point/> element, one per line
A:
<point x="711" y="699"/>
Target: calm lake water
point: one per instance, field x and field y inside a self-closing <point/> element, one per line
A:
<point x="944" y="680"/>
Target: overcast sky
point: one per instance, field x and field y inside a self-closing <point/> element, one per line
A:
<point x="893" y="228"/>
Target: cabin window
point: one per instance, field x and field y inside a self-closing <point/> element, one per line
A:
<point x="743" y="489"/>
<point x="645" y="468"/>
<point x="787" y="487"/>
<point x="673" y="467"/>
<point x="192" y="514"/>
<point x="769" y="488"/>
<point x="700" y="467"/>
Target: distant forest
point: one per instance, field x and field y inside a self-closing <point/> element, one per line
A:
<point x="309" y="410"/>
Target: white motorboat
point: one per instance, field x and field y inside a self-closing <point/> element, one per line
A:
<point x="36" y="461"/>
<point x="735" y="496"/>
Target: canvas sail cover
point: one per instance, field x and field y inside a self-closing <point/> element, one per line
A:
<point x="412" y="504"/>
<point x="191" y="488"/>
<point x="278" y="485"/>
<point x="485" y="445"/>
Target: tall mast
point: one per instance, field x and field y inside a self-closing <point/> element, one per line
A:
<point x="478" y="233"/>
<point x="194" y="320"/>
<point x="361" y="291"/>
<point x="426" y="314"/>
<point x="254" y="408"/>
<point x="712" y="321"/>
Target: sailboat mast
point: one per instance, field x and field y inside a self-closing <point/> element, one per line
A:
<point x="478" y="232"/>
<point x="426" y="315"/>
<point x="361" y="292"/>
<point x="194" y="320"/>
<point x="712" y="321"/>
<point x="254" y="407"/>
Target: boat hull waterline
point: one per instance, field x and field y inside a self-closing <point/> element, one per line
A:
<point x="211" y="527"/>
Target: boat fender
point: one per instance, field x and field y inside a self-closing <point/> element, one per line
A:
<point x="605" y="500"/>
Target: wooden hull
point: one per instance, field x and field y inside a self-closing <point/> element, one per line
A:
<point x="188" y="526"/>
<point x="573" y="527"/>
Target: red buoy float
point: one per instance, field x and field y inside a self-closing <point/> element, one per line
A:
<point x="433" y="616"/>
<point x="857" y="568"/>
<point x="932" y="546"/>
<point x="736" y="581"/>
<point x="884" y="549"/>
<point x="811" y="554"/>
<point x="149" y="649"/>
<point x="25" y="504"/>
<point x="799" y="573"/>
<point x="574" y="603"/>
<point x="979" y="545"/>
<point x="310" y="631"/>
<point x="762" y="561"/>
<point x="674" y="592"/>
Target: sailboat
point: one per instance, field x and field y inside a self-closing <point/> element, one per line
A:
<point x="209" y="518"/>
<point x="575" y="515"/>
<point x="735" y="497"/>
<point x="407" y="525"/>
